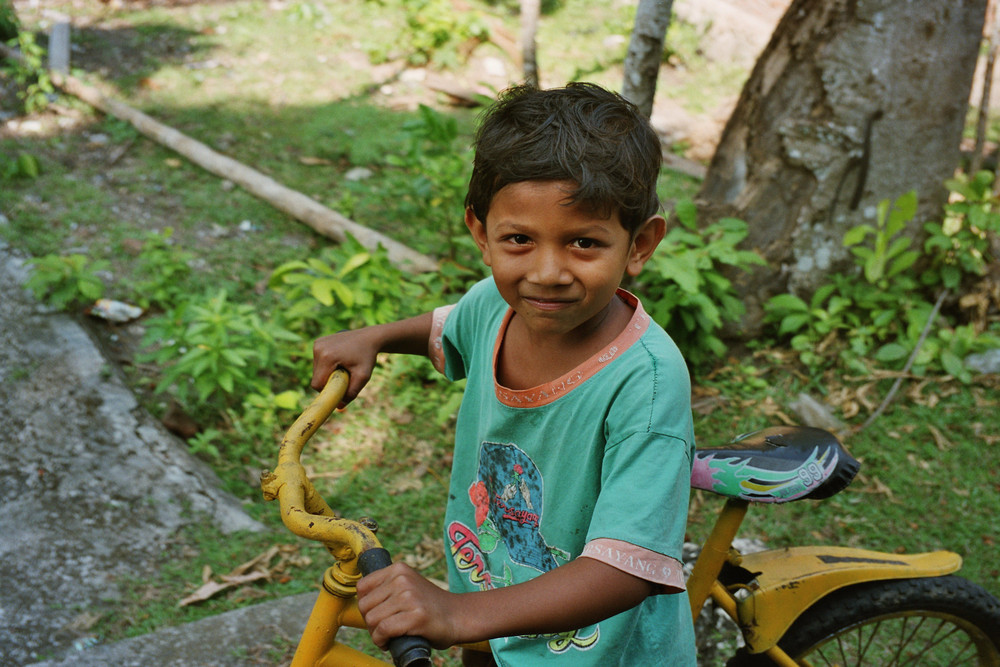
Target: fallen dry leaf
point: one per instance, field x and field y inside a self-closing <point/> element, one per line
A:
<point x="258" y="568"/>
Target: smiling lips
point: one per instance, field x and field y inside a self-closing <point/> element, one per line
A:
<point x="547" y="304"/>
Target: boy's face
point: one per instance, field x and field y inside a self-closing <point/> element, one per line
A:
<point x="558" y="266"/>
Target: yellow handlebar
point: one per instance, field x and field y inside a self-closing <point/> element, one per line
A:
<point x="303" y="510"/>
<point x="313" y="417"/>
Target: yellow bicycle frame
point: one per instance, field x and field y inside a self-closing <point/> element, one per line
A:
<point x="788" y="581"/>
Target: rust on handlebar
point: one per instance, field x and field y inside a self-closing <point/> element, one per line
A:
<point x="303" y="510"/>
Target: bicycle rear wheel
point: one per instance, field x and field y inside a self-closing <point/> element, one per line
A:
<point x="936" y="621"/>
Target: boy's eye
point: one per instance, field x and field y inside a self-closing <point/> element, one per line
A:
<point x="519" y="239"/>
<point x="584" y="243"/>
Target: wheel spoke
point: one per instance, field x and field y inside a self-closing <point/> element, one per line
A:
<point x="935" y="622"/>
<point x="902" y="641"/>
<point x="905" y="640"/>
<point x="862" y="652"/>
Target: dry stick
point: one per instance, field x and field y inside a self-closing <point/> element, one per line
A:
<point x="909" y="363"/>
<point x="992" y="37"/>
<point x="321" y="219"/>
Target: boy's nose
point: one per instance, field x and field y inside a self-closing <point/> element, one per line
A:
<point x="549" y="269"/>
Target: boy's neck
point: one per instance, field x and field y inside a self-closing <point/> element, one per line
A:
<point x="526" y="360"/>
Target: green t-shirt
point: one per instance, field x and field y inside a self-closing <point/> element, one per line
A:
<point x="596" y="463"/>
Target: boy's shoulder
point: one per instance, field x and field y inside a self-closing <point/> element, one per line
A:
<point x="655" y="341"/>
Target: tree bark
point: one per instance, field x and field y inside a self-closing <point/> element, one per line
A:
<point x="530" y="12"/>
<point x="851" y="102"/>
<point x="645" y="53"/>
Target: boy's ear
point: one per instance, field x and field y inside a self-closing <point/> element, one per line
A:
<point x="644" y="244"/>
<point x="478" y="231"/>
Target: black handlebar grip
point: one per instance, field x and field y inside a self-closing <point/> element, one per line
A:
<point x="407" y="651"/>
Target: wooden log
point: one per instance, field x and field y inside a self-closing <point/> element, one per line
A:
<point x="321" y="219"/>
<point x="301" y="207"/>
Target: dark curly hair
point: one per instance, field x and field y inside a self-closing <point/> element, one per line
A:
<point x="581" y="133"/>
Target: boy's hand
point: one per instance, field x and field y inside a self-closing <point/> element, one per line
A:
<point x="397" y="601"/>
<point x="354" y="351"/>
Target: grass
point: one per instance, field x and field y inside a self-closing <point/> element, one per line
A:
<point x="293" y="93"/>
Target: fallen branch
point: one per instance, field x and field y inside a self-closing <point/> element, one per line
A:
<point x="909" y="363"/>
<point x="301" y="207"/>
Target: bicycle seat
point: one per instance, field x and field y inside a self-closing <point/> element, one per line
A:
<point x="776" y="465"/>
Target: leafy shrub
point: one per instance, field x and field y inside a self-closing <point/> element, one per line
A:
<point x="885" y="317"/>
<point x="427" y="182"/>
<point x="346" y="287"/>
<point x="213" y="351"/>
<point x="161" y="268"/>
<point x="890" y="253"/>
<point x="64" y="281"/>
<point x="959" y="246"/>
<point x="33" y="83"/>
<point x="9" y="25"/>
<point x="683" y="286"/>
<point x="435" y="31"/>
<point x="24" y="165"/>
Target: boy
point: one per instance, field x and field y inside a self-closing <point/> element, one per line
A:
<point x="570" y="481"/>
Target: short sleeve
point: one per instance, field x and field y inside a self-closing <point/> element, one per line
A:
<point x="656" y="519"/>
<point x="466" y="328"/>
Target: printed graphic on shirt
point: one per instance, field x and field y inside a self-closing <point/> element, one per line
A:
<point x="508" y="499"/>
<point x="508" y="494"/>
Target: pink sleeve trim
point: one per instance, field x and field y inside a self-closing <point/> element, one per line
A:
<point x="435" y="348"/>
<point x="643" y="563"/>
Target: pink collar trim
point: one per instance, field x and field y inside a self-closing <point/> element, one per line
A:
<point x="547" y="393"/>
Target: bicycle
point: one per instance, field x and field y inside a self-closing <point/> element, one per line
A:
<point x="801" y="605"/>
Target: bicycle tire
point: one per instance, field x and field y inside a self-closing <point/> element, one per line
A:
<point x="923" y="622"/>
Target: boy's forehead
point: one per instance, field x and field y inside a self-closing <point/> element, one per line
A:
<point x="524" y="196"/>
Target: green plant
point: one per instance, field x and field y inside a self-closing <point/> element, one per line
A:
<point x="428" y="184"/>
<point x="959" y="246"/>
<point x="66" y="280"/>
<point x="9" y="25"/>
<point x="884" y="318"/>
<point x="25" y="165"/>
<point x="890" y="253"/>
<point x="161" y="268"/>
<point x="346" y="287"/>
<point x="30" y="76"/>
<point x="683" y="285"/>
<point x="435" y="30"/>
<point x="214" y="351"/>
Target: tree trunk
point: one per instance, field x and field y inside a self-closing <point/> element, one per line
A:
<point x="645" y="53"/>
<point x="851" y="102"/>
<point x="530" y="12"/>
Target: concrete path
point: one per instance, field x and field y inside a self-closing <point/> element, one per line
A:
<point x="92" y="489"/>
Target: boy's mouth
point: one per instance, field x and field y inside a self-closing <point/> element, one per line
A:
<point x="542" y="303"/>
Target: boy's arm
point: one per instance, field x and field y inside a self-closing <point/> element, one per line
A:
<point x="356" y="350"/>
<point x="397" y="601"/>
